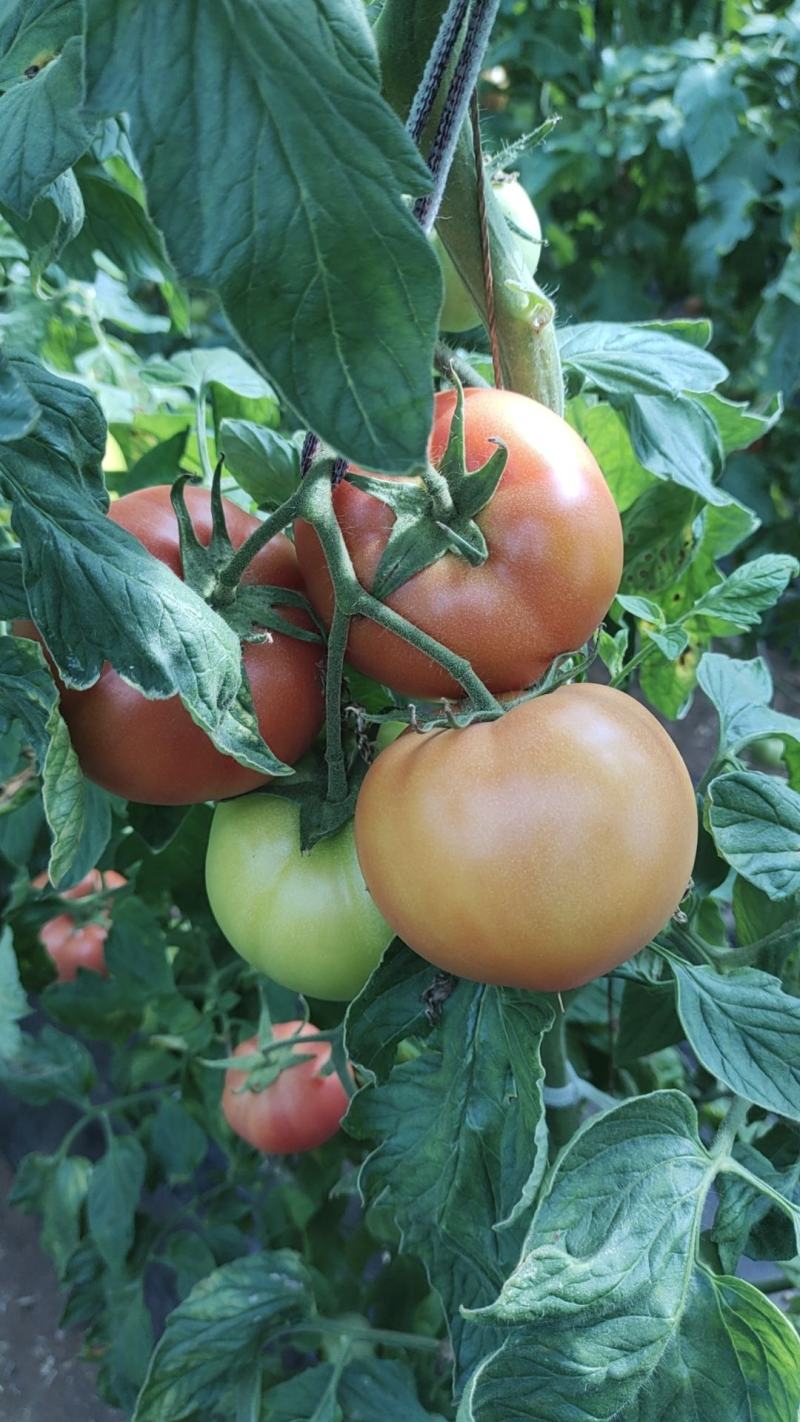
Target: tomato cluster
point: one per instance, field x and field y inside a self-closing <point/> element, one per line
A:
<point x="536" y="850"/>
<point x="151" y="750"/>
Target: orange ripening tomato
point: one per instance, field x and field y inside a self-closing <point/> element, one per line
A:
<point x="152" y="751"/>
<point x="536" y="851"/>
<point x="555" y="556"/>
<point x="73" y="945"/>
<point x="298" y="1111"/>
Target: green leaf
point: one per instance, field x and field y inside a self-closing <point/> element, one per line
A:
<point x="264" y="463"/>
<point x="114" y="1190"/>
<point x="78" y="813"/>
<point x="56" y="218"/>
<point x="217" y="1331"/>
<point x="19" y="411"/>
<point x="267" y="75"/>
<point x="669" y="685"/>
<point x="749" y="590"/>
<point x="743" y="1349"/>
<point x="739" y="426"/>
<point x="745" y="1030"/>
<point x="741" y="692"/>
<point x="389" y="1009"/>
<point x="136" y="949"/>
<point x="367" y="1390"/>
<point x="743" y="1208"/>
<point x="477" y="1083"/>
<point x="676" y="440"/>
<point x="13" y="1002"/>
<point x="641" y="607"/>
<point x="660" y="540"/>
<point x="34" y="149"/>
<point x="95" y="592"/>
<point x="755" y="821"/>
<point x="55" y="1189"/>
<point x="709" y="101"/>
<point x="178" y="1143"/>
<point x="601" y="1286"/>
<point x="49" y="1067"/>
<point x="115" y="224"/>
<point x="196" y="370"/>
<point x="648" y="1021"/>
<point x="606" y="434"/>
<point x="671" y="641"/>
<point x="637" y="359"/>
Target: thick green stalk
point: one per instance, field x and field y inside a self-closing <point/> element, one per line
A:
<point x="525" y="322"/>
<point x="562" y="1120"/>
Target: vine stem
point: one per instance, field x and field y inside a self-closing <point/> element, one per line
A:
<point x="386" y="1337"/>
<point x="334" y="675"/>
<point x="729" y="1129"/>
<point x="562" y="1120"/>
<point x="355" y="601"/>
<point x="202" y="436"/>
<point x="229" y="578"/>
<point x="454" y="111"/>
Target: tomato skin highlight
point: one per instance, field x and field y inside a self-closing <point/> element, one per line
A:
<point x="152" y="751"/>
<point x="555" y="556"/>
<point x="306" y="920"/>
<point x="72" y="945"/>
<point x="537" y="851"/>
<point x="299" y="1111"/>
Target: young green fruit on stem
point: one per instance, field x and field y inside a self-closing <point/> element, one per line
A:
<point x="304" y="919"/>
<point x="458" y="309"/>
<point x="554" y="541"/>
<point x="297" y="1111"/>
<point x="536" y="851"/>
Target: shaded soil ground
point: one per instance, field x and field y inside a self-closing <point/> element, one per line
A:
<point x="42" y="1377"/>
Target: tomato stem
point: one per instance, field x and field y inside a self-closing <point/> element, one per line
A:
<point x="229" y="578"/>
<point x="562" y="1121"/>
<point x="387" y="1337"/>
<point x="334" y="674"/>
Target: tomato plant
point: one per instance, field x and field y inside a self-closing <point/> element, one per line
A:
<point x="544" y="848"/>
<point x="305" y="919"/>
<point x="74" y="944"/>
<point x="458" y="309"/>
<point x="400" y="633"/>
<point x="555" y="556"/>
<point x="151" y="750"/>
<point x="300" y="1109"/>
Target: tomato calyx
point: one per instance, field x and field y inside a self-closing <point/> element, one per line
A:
<point x="320" y="815"/>
<point x="251" y="610"/>
<point x="436" y="516"/>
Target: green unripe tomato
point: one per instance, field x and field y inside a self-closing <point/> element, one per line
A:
<point x="306" y="920"/>
<point x="459" y="312"/>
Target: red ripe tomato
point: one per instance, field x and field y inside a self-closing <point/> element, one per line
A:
<point x="555" y="556"/>
<point x="152" y="751"/>
<point x="298" y="1111"/>
<point x="73" y="945"/>
<point x="535" y="851"/>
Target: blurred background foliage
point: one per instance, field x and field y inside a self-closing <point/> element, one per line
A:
<point x="671" y="187"/>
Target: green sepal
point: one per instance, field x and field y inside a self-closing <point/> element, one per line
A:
<point x="201" y="564"/>
<point x="255" y="612"/>
<point x="422" y="534"/>
<point x="308" y="788"/>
